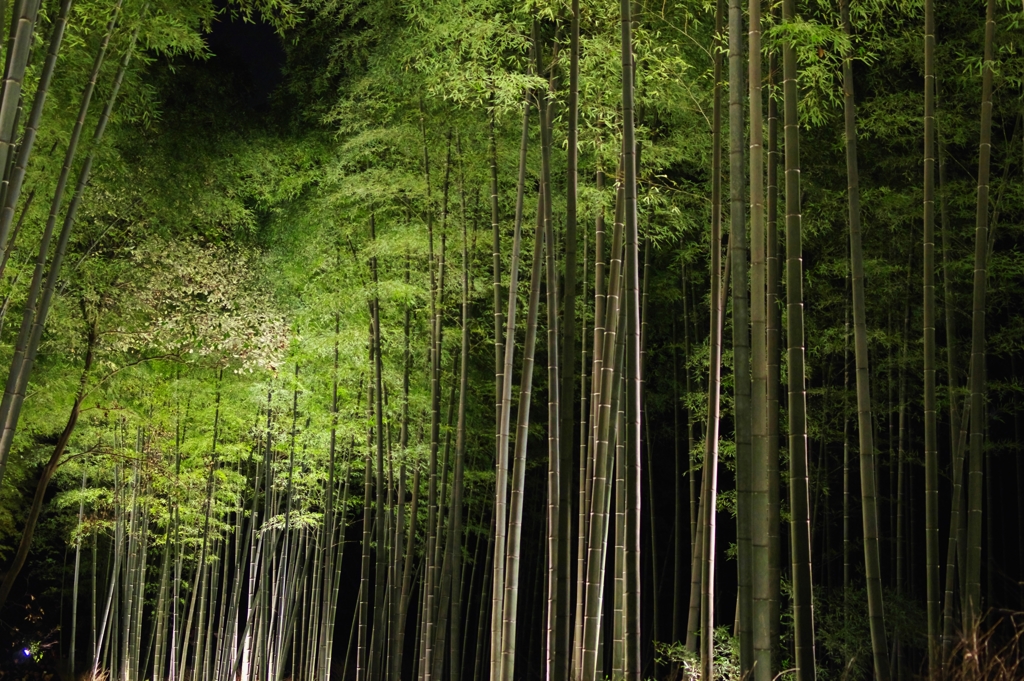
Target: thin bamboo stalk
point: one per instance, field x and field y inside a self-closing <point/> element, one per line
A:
<point x="514" y="532"/>
<point x="869" y="509"/>
<point x="10" y="405"/>
<point x="501" y="464"/>
<point x="606" y="406"/>
<point x="931" y="456"/>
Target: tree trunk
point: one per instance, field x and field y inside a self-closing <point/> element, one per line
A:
<point x="28" y="531"/>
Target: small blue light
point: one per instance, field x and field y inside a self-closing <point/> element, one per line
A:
<point x="26" y="652"/>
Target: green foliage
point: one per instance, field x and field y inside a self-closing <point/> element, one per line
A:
<point x="726" y="660"/>
<point x="842" y="630"/>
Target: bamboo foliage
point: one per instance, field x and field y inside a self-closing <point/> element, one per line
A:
<point x="39" y="296"/>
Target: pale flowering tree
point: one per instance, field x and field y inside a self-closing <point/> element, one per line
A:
<point x="179" y="301"/>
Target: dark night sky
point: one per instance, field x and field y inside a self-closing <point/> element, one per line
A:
<point x="257" y="47"/>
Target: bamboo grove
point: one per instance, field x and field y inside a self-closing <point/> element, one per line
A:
<point x="495" y="340"/>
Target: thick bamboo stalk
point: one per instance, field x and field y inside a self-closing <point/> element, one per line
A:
<point x="760" y="596"/>
<point x="972" y="608"/>
<point x="800" y="537"/>
<point x="10" y="406"/>
<point x="20" y="49"/>
<point x="740" y="334"/>
<point x="773" y="333"/>
<point x="561" y="643"/>
<point x="12" y="191"/>
<point x="631" y="374"/>
<point x="618" y="668"/>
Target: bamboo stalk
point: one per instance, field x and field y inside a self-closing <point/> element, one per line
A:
<point x="501" y="465"/>
<point x="975" y="480"/>
<point x="514" y="532"/>
<point x="869" y="509"/>
<point x="800" y="540"/>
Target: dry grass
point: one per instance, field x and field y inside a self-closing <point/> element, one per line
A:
<point x="990" y="653"/>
